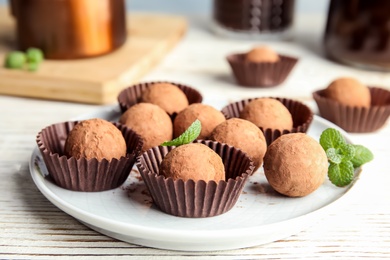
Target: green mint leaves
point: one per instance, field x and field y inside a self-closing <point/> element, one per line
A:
<point x="188" y="136"/>
<point x="343" y="157"/>
<point x="20" y="60"/>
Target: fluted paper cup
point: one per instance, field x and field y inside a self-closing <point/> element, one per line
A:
<point x="130" y="96"/>
<point x="260" y="74"/>
<point x="196" y="199"/>
<point x="301" y="114"/>
<point x="82" y="174"/>
<point x="356" y="119"/>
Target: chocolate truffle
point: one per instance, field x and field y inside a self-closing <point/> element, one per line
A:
<point x="262" y="54"/>
<point x="350" y="92"/>
<point x="243" y="135"/>
<point x="167" y="96"/>
<point x="207" y="115"/>
<point x="295" y="165"/>
<point x="150" y="121"/>
<point x="268" y="113"/>
<point x="193" y="161"/>
<point x="95" y="138"/>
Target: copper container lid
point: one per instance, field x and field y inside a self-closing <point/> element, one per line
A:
<point x="70" y="29"/>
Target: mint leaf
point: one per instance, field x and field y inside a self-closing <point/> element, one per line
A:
<point x="343" y="157"/>
<point x="347" y="151"/>
<point x="362" y="156"/>
<point x="331" y="138"/>
<point x="188" y="136"/>
<point x="341" y="174"/>
<point x="333" y="156"/>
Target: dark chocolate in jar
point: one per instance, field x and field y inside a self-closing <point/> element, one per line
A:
<point x="358" y="33"/>
<point x="254" y="15"/>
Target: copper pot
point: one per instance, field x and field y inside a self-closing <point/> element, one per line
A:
<point x="70" y="29"/>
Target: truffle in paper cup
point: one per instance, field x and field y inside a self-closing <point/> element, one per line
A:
<point x="301" y="114"/>
<point x="82" y="174"/>
<point x="131" y="95"/>
<point x="356" y="119"/>
<point x="260" y="74"/>
<point x="196" y="199"/>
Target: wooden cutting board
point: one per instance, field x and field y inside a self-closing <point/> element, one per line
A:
<point x="93" y="80"/>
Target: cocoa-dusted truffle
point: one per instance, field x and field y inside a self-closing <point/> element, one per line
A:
<point x="95" y="138"/>
<point x="207" y="115"/>
<point x="295" y="165"/>
<point x="349" y="91"/>
<point x="262" y="54"/>
<point x="268" y="113"/>
<point x="244" y="135"/>
<point x="167" y="96"/>
<point x="150" y="121"/>
<point x="193" y="161"/>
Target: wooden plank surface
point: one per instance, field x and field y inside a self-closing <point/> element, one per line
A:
<point x="94" y="80"/>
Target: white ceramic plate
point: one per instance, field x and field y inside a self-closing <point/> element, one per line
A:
<point x="128" y="214"/>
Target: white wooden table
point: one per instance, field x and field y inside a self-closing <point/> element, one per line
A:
<point x="32" y="228"/>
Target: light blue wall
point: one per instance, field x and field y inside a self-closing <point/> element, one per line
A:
<point x="204" y="6"/>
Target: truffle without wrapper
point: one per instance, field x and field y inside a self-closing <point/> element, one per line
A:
<point x="295" y="165"/>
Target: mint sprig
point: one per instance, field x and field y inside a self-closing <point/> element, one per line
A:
<point x="343" y="157"/>
<point x="188" y="136"/>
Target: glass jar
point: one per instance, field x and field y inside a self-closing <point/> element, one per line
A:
<point x="358" y="33"/>
<point x="263" y="19"/>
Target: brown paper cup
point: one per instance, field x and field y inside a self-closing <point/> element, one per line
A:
<point x="131" y="95"/>
<point x="83" y="174"/>
<point x="356" y="119"/>
<point x="196" y="199"/>
<point x="261" y="74"/>
<point x="301" y="114"/>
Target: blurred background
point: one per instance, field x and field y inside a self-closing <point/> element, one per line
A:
<point x="205" y="6"/>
